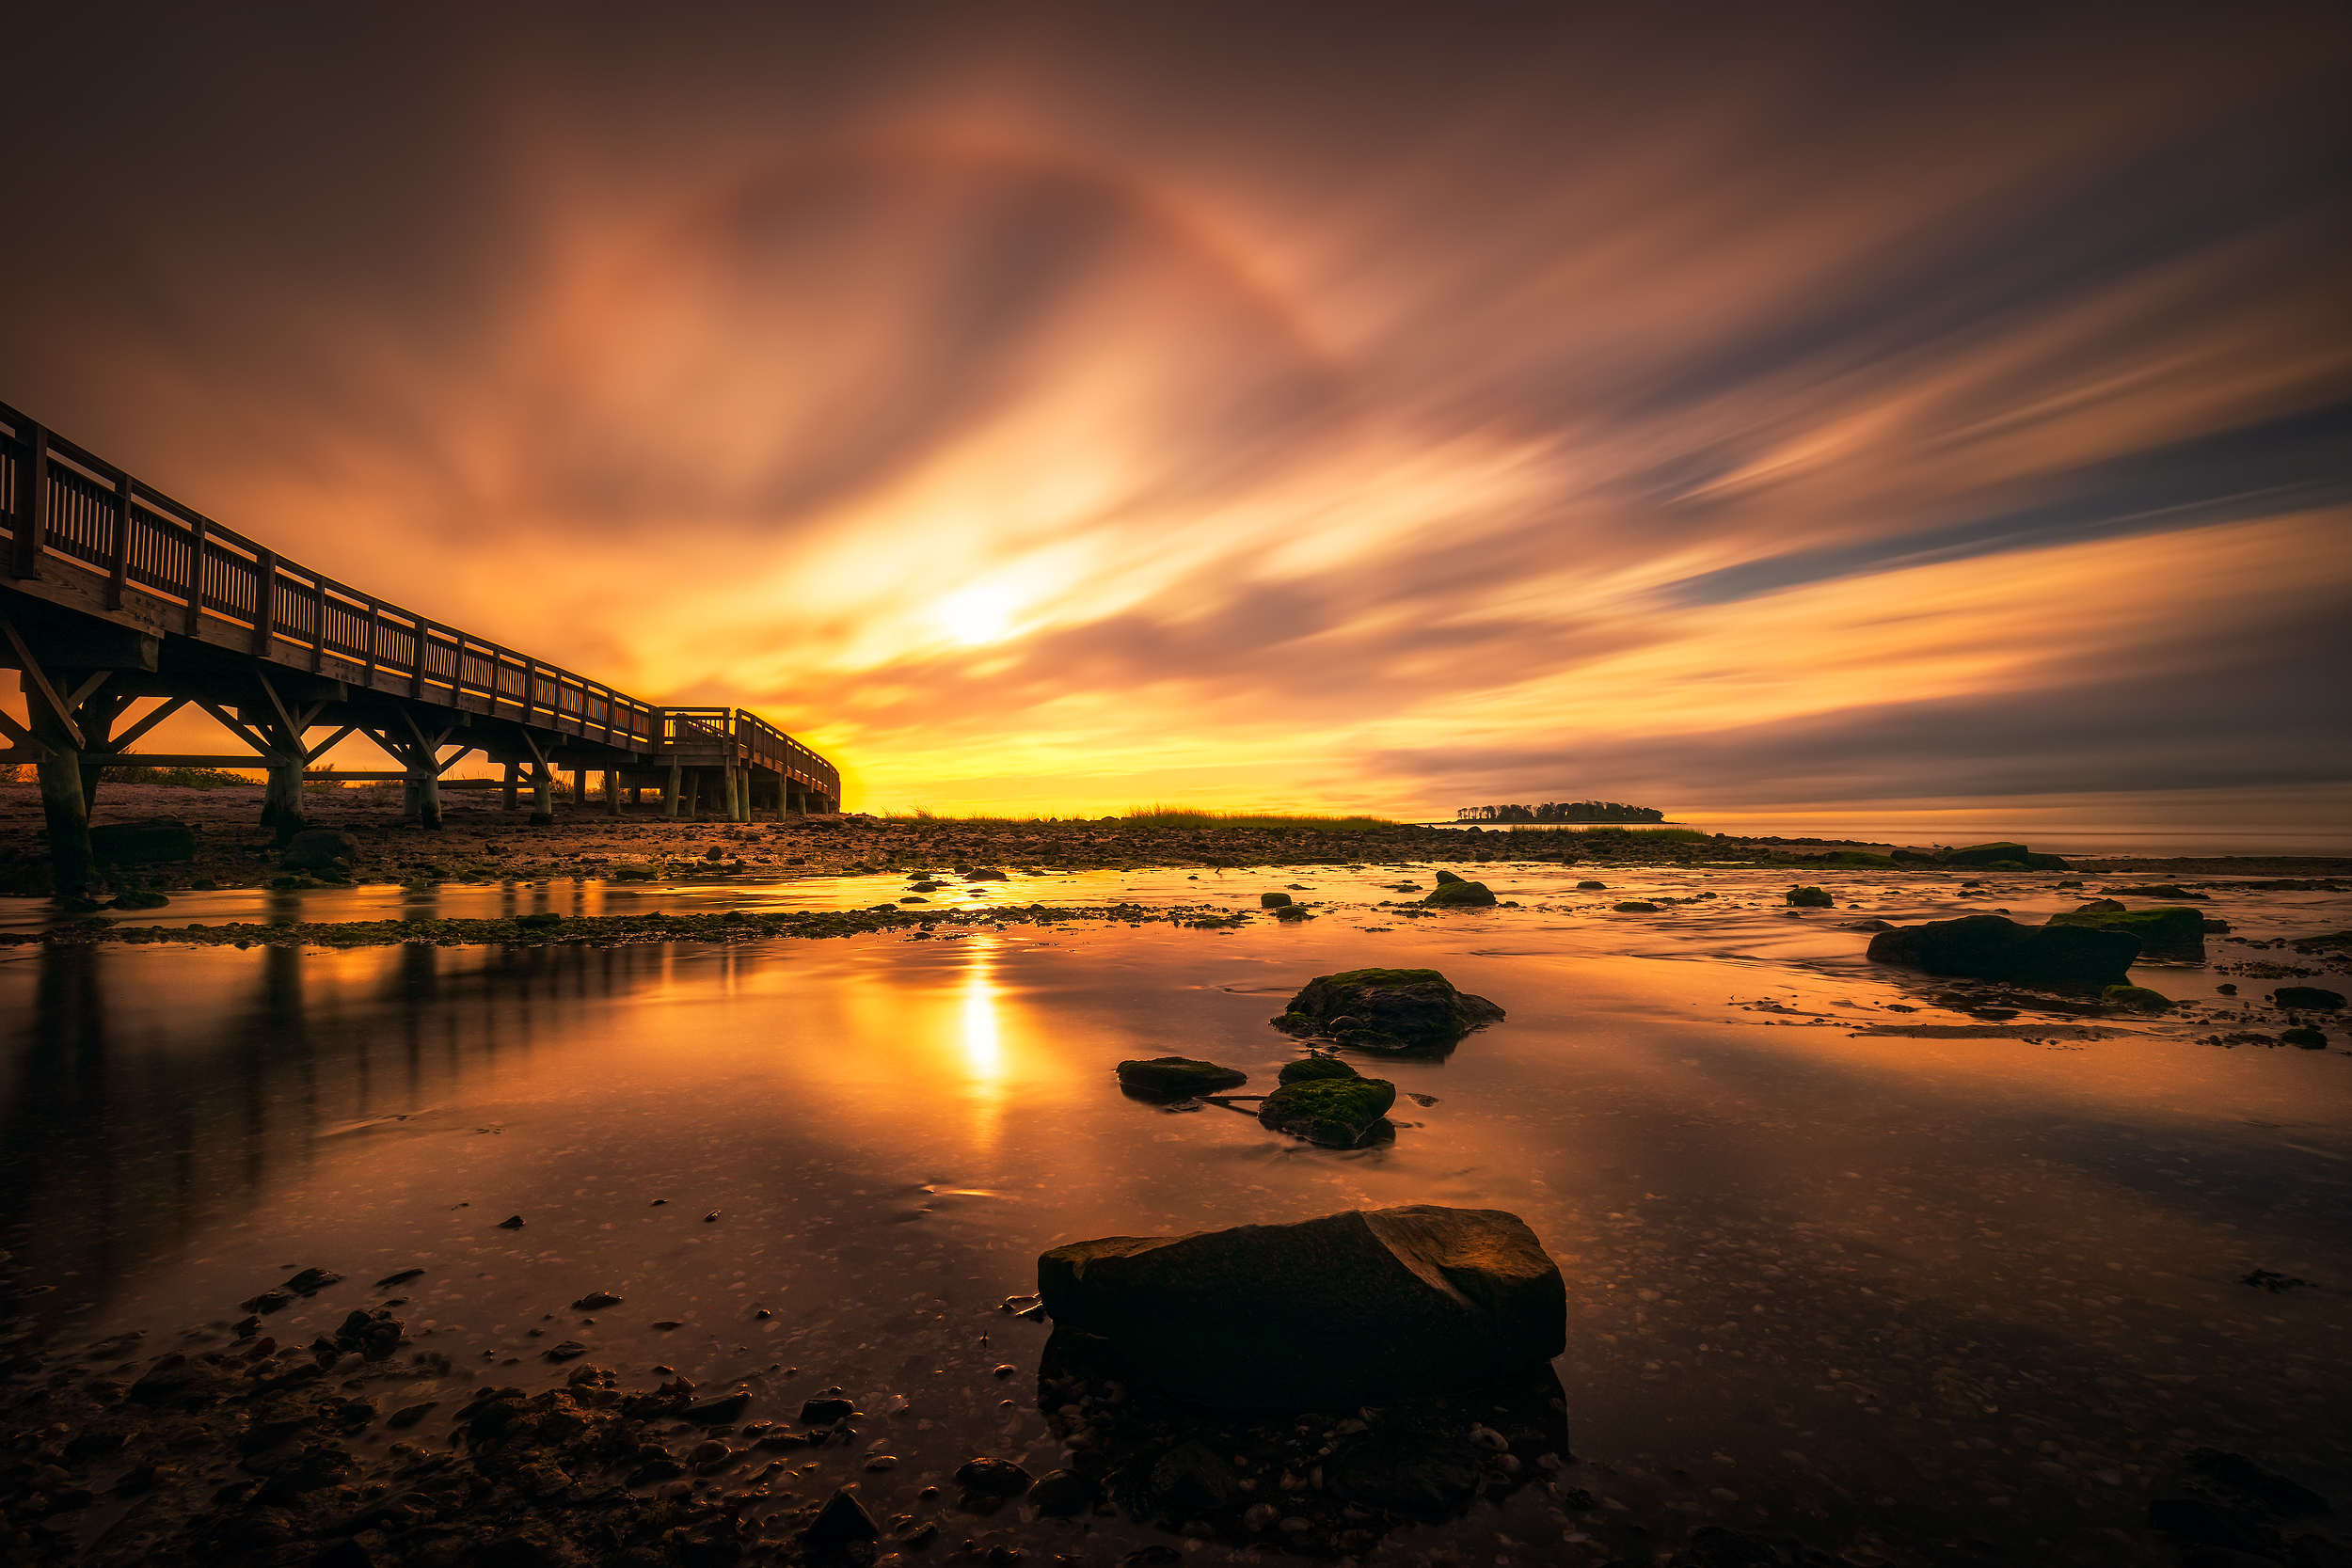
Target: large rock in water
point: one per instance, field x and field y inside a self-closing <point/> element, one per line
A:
<point x="1987" y="947"/>
<point x="1174" y="1077"/>
<point x="1459" y="895"/>
<point x="1370" y="1307"/>
<point x="1387" y="1010"/>
<point x="2164" y="933"/>
<point x="146" y="843"/>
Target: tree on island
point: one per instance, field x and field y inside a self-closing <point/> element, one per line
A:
<point x="1563" y="811"/>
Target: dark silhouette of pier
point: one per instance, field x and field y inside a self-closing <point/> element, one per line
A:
<point x="115" y="593"/>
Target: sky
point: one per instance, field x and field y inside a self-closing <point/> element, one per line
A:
<point x="1058" y="408"/>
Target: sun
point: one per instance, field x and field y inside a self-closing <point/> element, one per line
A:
<point x="976" y="615"/>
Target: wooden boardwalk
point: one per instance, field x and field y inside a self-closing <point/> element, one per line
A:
<point x="116" y="592"/>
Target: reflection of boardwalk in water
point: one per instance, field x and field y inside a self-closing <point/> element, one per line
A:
<point x="152" y="1108"/>
<point x="117" y="594"/>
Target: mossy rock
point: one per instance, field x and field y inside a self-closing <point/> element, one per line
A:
<point x="2165" y="932"/>
<point x="2303" y="1037"/>
<point x="1294" y="913"/>
<point x="1307" y="1068"/>
<point x="2138" y="998"/>
<point x="543" y="918"/>
<point x="1592" y="887"/>
<point x="1444" y="878"/>
<point x="1811" y="899"/>
<point x="1274" y="900"/>
<point x="1176" y="1077"/>
<point x="1387" y="1009"/>
<point x="1635" y="906"/>
<point x="1988" y="948"/>
<point x="1334" y="1113"/>
<point x="1458" y="895"/>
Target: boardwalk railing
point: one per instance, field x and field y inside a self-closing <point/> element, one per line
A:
<point x="81" y="532"/>
<point x="753" y="740"/>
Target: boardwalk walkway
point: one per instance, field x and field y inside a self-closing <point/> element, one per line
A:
<point x="116" y="592"/>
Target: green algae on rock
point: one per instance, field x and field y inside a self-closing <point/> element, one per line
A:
<point x="1176" y="1077"/>
<point x="1307" y="1068"/>
<point x="1459" y="895"/>
<point x="1335" y="1113"/>
<point x="1988" y="948"/>
<point x="1811" y="899"/>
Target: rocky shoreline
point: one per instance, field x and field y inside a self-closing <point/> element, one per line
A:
<point x="481" y="843"/>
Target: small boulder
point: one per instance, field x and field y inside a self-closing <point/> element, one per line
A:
<point x="2100" y="906"/>
<point x="2305" y="1038"/>
<point x="993" y="1478"/>
<point x="840" y="1522"/>
<point x="1274" y="900"/>
<point x="2138" y="998"/>
<point x="1368" y="1306"/>
<point x="316" y="848"/>
<point x="1443" y="878"/>
<point x="1335" y="1113"/>
<point x="1307" y="1068"/>
<point x="1177" y="1077"/>
<point x="2307" y="998"/>
<point x="2174" y="932"/>
<point x="1811" y="899"/>
<point x="1635" y="906"/>
<point x="2005" y="855"/>
<point x="1989" y="947"/>
<point x="1459" y="895"/>
<point x="1062" y="1494"/>
<point x="1387" y="1009"/>
<point x="1592" y="887"/>
<point x="151" y="842"/>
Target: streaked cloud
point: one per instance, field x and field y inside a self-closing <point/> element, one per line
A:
<point x="1057" y="408"/>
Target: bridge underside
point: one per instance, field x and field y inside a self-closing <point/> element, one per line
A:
<point x="115" y="595"/>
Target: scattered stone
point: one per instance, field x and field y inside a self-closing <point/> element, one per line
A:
<point x="993" y="1478"/>
<point x="1634" y="906"/>
<point x="1811" y="899"/>
<point x="1063" y="1494"/>
<point x="2309" y="998"/>
<point x="1387" y="1010"/>
<point x="1274" y="900"/>
<point x="1459" y="895"/>
<point x="825" y="1412"/>
<point x="1307" y="1068"/>
<point x="408" y="1416"/>
<point x="511" y="1222"/>
<point x="714" y="1412"/>
<point x="318" y="849"/>
<point x="2303" y="1037"/>
<point x="402" y="1278"/>
<point x="312" y="1281"/>
<point x="2172" y="932"/>
<point x="840" y="1522"/>
<point x="1991" y="947"/>
<point x="1592" y="887"/>
<point x="1178" y="1077"/>
<point x="2138" y="998"/>
<point x="1330" y="1112"/>
<point x="1359" y="1307"/>
<point x="596" y="1301"/>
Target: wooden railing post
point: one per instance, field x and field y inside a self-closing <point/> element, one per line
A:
<point x="118" y="570"/>
<point x="195" y="577"/>
<point x="318" y="623"/>
<point x="416" y="670"/>
<point x="32" y="500"/>
<point x="265" y="601"/>
<point x="376" y="622"/>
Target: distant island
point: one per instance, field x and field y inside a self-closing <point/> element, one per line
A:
<point x="1563" y="811"/>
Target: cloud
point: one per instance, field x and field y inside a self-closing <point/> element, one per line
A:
<point x="1088" y="405"/>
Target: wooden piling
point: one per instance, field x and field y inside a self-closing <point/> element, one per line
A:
<point x="281" y="795"/>
<point x="514" y="778"/>
<point x="67" y="812"/>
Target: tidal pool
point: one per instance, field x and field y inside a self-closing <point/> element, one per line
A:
<point x="1904" y="1269"/>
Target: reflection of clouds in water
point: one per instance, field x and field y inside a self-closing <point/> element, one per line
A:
<point x="1565" y="382"/>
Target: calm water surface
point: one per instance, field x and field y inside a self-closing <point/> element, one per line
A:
<point x="1893" y="1293"/>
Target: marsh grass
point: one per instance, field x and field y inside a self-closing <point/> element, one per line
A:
<point x="1679" y="835"/>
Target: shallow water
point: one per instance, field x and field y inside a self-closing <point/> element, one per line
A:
<point x="1889" y="1292"/>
